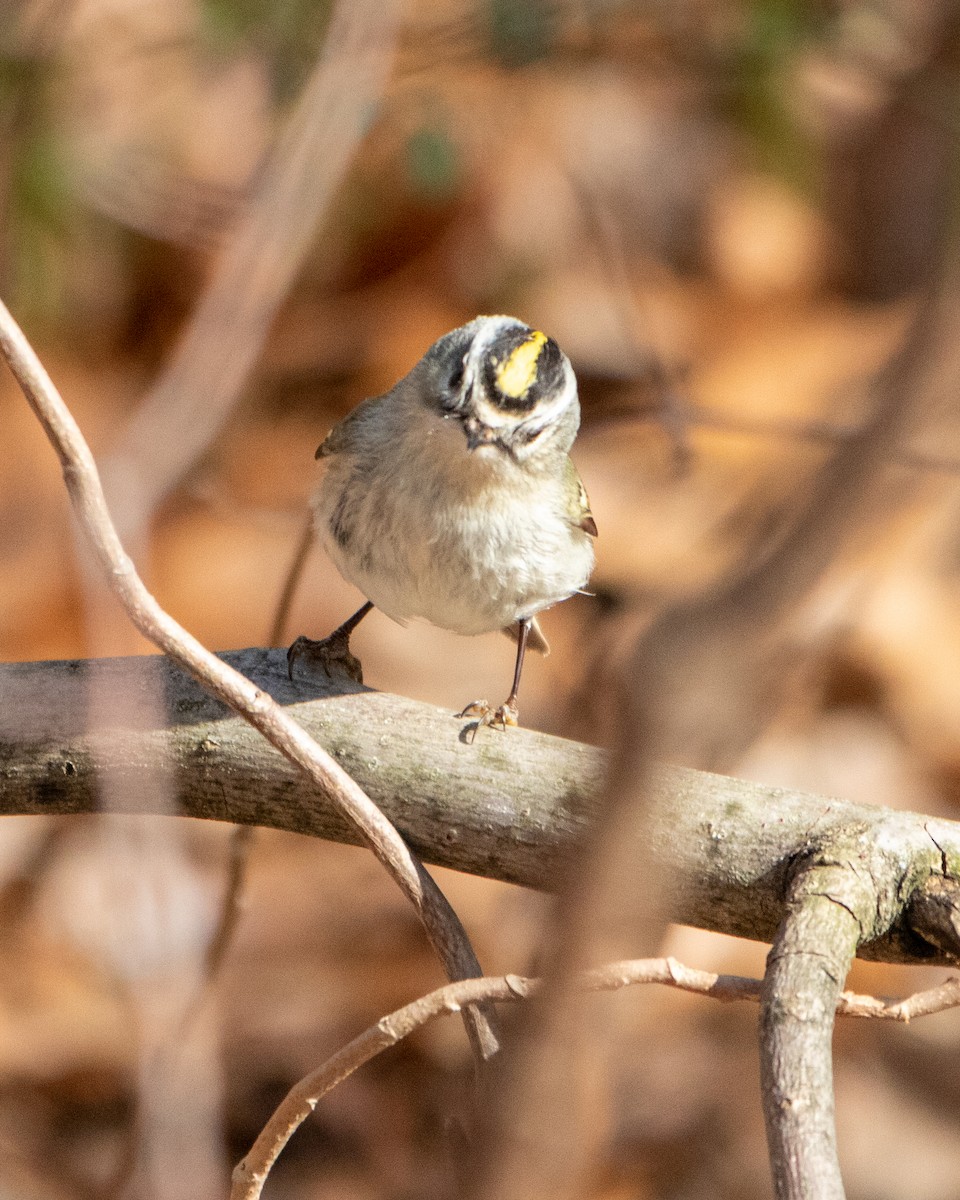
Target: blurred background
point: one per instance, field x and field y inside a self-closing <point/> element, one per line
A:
<point x="728" y="213"/>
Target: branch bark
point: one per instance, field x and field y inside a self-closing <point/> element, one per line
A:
<point x="805" y="972"/>
<point x="511" y="806"/>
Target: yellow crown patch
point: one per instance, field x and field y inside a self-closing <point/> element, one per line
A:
<point x="516" y="374"/>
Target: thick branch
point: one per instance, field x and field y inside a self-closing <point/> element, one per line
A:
<point x="510" y="806"/>
<point x="805" y="972"/>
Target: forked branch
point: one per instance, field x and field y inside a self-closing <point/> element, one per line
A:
<point x="251" y="1173"/>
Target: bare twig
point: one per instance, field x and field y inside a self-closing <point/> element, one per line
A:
<point x="291" y="582"/>
<point x="642" y="361"/>
<point x="242" y="840"/>
<point x="921" y="1004"/>
<point x="814" y="432"/>
<point x="231" y="907"/>
<point x="240" y="845"/>
<point x="251" y="1174"/>
<point x="83" y="484"/>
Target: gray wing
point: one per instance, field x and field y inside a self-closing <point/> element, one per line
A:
<point x="343" y="437"/>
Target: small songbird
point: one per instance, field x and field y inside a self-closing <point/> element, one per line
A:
<point x="452" y="498"/>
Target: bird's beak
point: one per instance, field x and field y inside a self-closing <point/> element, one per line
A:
<point x="476" y="434"/>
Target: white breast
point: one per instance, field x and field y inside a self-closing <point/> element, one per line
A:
<point x="468" y="542"/>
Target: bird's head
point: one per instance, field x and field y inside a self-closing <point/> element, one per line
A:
<point x="511" y="388"/>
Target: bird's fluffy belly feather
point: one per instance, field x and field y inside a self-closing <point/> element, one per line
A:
<point x="467" y="554"/>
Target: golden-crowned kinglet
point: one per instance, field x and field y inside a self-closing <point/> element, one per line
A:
<point x="453" y="498"/>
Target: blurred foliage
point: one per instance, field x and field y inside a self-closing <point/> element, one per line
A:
<point x="287" y="35"/>
<point x="751" y="54"/>
<point x="521" y="31"/>
<point x="772" y="34"/>
<point x="433" y="160"/>
<point x="40" y="207"/>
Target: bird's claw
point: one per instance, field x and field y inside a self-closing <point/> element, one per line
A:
<point x="331" y="653"/>
<point x="496" y="718"/>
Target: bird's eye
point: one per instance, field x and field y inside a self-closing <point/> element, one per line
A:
<point x="456" y="378"/>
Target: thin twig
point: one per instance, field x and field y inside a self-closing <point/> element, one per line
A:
<point x="291" y="582"/>
<point x="251" y="1174"/>
<point x="814" y="432"/>
<point x="642" y="361"/>
<point x="242" y="837"/>
<point x="441" y="923"/>
<point x="228" y="918"/>
<point x="240" y="843"/>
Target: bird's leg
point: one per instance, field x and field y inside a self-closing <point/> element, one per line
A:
<point x="332" y="652"/>
<point x="507" y="713"/>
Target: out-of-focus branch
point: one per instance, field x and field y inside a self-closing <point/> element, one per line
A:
<point x="785" y="429"/>
<point x="229" y="686"/>
<point x="699" y="686"/>
<point x="251" y="1173"/>
<point x="714" y="672"/>
<point x="188" y="405"/>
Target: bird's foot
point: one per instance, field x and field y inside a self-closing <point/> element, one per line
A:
<point x="331" y="653"/>
<point x="496" y="718"/>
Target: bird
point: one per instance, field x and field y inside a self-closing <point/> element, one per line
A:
<point x="453" y="499"/>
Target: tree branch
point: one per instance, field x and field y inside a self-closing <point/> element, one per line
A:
<point x="510" y="807"/>
<point x="805" y="973"/>
<point x="251" y="1173"/>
